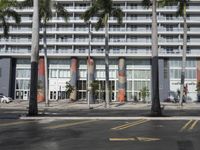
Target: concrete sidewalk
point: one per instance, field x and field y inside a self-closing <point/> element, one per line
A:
<point x="82" y="105"/>
<point x="64" y="108"/>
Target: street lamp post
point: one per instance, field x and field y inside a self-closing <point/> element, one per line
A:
<point x="88" y="77"/>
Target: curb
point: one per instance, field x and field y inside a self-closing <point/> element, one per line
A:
<point x="111" y="118"/>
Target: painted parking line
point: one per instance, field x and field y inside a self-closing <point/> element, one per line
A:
<point x="139" y="139"/>
<point x="64" y="125"/>
<point x="189" y="125"/>
<point x="193" y="125"/>
<point x="15" y="123"/>
<point x="128" y="125"/>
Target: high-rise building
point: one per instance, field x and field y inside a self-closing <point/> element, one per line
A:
<point x="129" y="52"/>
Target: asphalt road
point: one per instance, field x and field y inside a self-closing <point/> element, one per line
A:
<point x="99" y="135"/>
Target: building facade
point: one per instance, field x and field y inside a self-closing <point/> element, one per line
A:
<point x="129" y="53"/>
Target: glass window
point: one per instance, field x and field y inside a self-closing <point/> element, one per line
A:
<point x="53" y="73"/>
<point x="64" y="73"/>
<point x="22" y="84"/>
<point x="190" y="74"/>
<point x="141" y="74"/>
<point x="112" y="74"/>
<point x="191" y="63"/>
<point x="138" y="85"/>
<point x="129" y="74"/>
<point x="129" y="85"/>
<point x="23" y="73"/>
<point x="100" y="74"/>
<point x="141" y="62"/>
<point x="82" y="73"/>
<point x="23" y="61"/>
<point x="175" y="73"/>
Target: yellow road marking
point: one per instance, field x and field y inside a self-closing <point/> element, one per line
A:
<point x="15" y="123"/>
<point x="129" y="125"/>
<point x="185" y="126"/>
<point x="122" y="139"/>
<point x="189" y="125"/>
<point x="193" y="125"/>
<point x="115" y="128"/>
<point x="147" y="139"/>
<point x="140" y="139"/>
<point x="69" y="124"/>
<point x="134" y="124"/>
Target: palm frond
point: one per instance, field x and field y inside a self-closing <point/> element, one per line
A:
<point x="26" y="3"/>
<point x="13" y="14"/>
<point x="163" y="3"/>
<point x="5" y="26"/>
<point x="101" y="21"/>
<point x="61" y="11"/>
<point x="90" y="12"/>
<point x="180" y="9"/>
<point x="7" y="11"/>
<point x="146" y="3"/>
<point x="99" y="24"/>
<point x="117" y="12"/>
<point x="45" y="10"/>
<point x="106" y="5"/>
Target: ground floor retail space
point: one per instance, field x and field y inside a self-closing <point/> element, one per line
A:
<point x="127" y="78"/>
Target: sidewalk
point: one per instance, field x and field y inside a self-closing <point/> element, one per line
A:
<point x="64" y="108"/>
<point x="82" y="105"/>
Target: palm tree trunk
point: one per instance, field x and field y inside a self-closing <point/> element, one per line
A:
<point x="33" y="110"/>
<point x="106" y="63"/>
<point x="155" y="107"/>
<point x="45" y="63"/>
<point x="183" y="55"/>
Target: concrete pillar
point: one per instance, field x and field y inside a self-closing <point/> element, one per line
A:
<point x="5" y="76"/>
<point x="121" y="80"/>
<point x="41" y="81"/>
<point x="164" y="79"/>
<point x="73" y="81"/>
<point x="90" y="62"/>
<point x="198" y="69"/>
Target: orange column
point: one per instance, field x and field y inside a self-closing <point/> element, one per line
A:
<point x="121" y="80"/>
<point x="41" y="81"/>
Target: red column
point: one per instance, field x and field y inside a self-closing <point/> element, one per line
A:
<point x="41" y="81"/>
<point x="121" y="80"/>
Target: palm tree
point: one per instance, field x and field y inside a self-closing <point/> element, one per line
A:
<point x="6" y="10"/>
<point x="45" y="14"/>
<point x="181" y="11"/>
<point x="155" y="107"/>
<point x="103" y="9"/>
<point x="33" y="109"/>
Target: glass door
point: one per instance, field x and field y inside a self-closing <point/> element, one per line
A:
<point x="82" y="90"/>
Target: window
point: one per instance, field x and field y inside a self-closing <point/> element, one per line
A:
<point x="169" y="16"/>
<point x="129" y="74"/>
<point x="141" y="74"/>
<point x="23" y="73"/>
<point x="169" y="27"/>
<point x="100" y="74"/>
<point x="53" y="73"/>
<point x="63" y="73"/>
<point x="82" y="73"/>
<point x="166" y="69"/>
<point x="169" y="49"/>
<point x="138" y="85"/>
